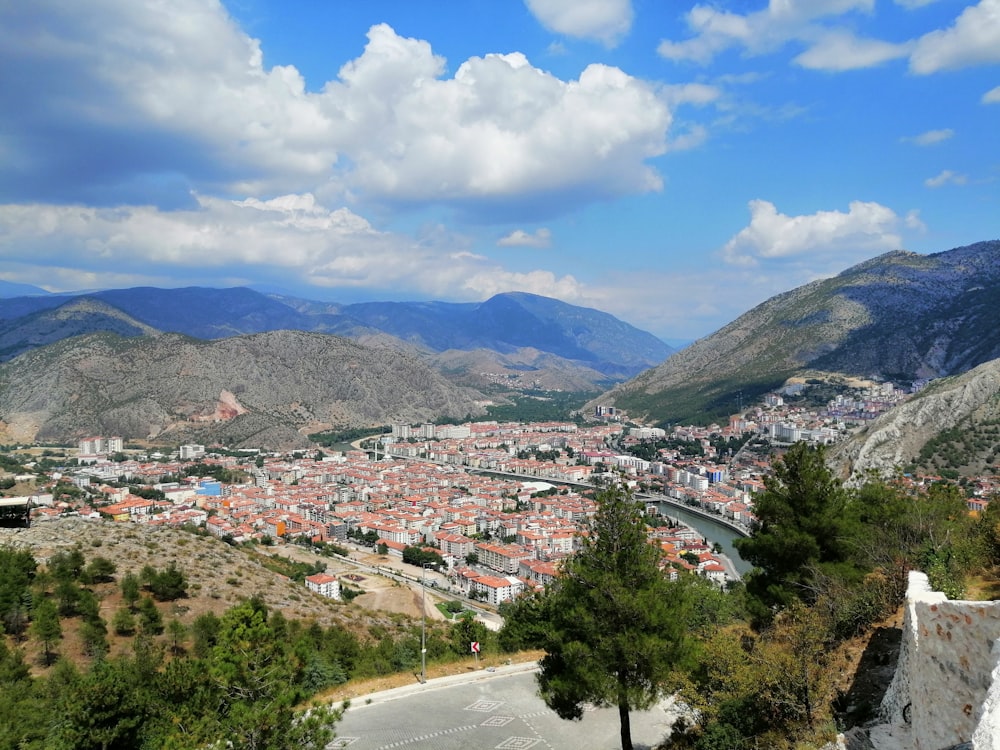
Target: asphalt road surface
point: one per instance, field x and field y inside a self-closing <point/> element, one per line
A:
<point x="497" y="710"/>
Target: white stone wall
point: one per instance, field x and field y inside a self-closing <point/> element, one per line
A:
<point x="947" y="682"/>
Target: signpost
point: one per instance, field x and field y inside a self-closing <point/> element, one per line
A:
<point x="475" y="650"/>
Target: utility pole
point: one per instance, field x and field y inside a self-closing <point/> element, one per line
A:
<point x="423" y="626"/>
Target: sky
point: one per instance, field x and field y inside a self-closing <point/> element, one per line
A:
<point x="669" y="162"/>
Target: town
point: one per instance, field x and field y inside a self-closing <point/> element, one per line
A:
<point x="497" y="505"/>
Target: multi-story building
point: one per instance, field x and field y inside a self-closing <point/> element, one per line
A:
<point x="324" y="584"/>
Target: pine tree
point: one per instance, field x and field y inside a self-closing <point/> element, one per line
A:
<point x="45" y="626"/>
<point x="617" y="626"/>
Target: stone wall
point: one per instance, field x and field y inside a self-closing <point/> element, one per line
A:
<point x="947" y="682"/>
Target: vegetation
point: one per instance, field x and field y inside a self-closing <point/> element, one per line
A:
<point x="615" y="626"/>
<point x="539" y="406"/>
<point x="335" y="437"/>
<point x="759" y="662"/>
<point x="423" y="557"/>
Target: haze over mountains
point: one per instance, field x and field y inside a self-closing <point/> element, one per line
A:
<point x="506" y="323"/>
<point x="900" y="316"/>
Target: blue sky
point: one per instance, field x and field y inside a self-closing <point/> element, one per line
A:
<point x="672" y="163"/>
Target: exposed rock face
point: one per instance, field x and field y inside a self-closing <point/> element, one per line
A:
<point x="899" y="316"/>
<point x="263" y="389"/>
<point x="895" y="438"/>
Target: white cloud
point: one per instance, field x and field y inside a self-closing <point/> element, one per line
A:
<point x="770" y="29"/>
<point x="606" y="21"/>
<point x="697" y="94"/>
<point x="866" y="228"/>
<point x="992" y="96"/>
<point x="974" y="39"/>
<point x="946" y="177"/>
<point x="840" y="50"/>
<point x="136" y="91"/>
<point x="913" y="221"/>
<point x="501" y="128"/>
<point x="913" y="4"/>
<point x="288" y="240"/>
<point x="519" y="238"/>
<point x="930" y="137"/>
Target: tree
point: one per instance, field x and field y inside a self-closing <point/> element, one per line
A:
<point x="123" y="622"/>
<point x="168" y="584"/>
<point x="150" y="619"/>
<point x="45" y="626"/>
<point x="178" y="634"/>
<point x="802" y="529"/>
<point x="99" y="570"/>
<point x="130" y="589"/>
<point x="617" y="626"/>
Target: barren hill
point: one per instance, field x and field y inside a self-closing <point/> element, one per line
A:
<point x="266" y="389"/>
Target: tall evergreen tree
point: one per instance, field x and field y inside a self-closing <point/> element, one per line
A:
<point x="617" y="626"/>
<point x="803" y="528"/>
<point x="45" y="626"/>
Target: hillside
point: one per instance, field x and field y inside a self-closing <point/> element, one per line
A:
<point x="900" y="316"/>
<point x="585" y="348"/>
<point x="951" y="427"/>
<point x="264" y="389"/>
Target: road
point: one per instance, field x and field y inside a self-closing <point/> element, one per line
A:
<point x="482" y="709"/>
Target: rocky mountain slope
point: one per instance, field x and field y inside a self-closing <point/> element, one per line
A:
<point x="264" y="389"/>
<point x="900" y="316"/>
<point x="966" y="405"/>
<point x="591" y="346"/>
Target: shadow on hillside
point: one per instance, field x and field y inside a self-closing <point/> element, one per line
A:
<point x="860" y="704"/>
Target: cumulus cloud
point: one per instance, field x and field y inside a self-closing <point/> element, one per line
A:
<point x="542" y="237"/>
<point x="175" y="96"/>
<point x="288" y="240"/>
<point x="501" y="128"/>
<point x="946" y="177"/>
<point x="865" y="228"/>
<point x="930" y="137"/>
<point x="974" y="39"/>
<point x="992" y="96"/>
<point x="606" y="21"/>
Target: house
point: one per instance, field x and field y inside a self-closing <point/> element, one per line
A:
<point x="324" y="584"/>
<point x="494" y="590"/>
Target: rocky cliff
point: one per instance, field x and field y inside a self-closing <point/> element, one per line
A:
<point x="970" y="401"/>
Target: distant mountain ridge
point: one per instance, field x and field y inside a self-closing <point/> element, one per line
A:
<point x="505" y="323"/>
<point x="900" y="316"/>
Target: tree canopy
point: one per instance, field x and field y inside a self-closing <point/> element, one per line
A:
<point x="616" y="626"/>
<point x="802" y="528"/>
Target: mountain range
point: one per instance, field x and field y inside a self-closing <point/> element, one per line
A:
<point x="900" y="317"/>
<point x="525" y="332"/>
<point x="245" y="368"/>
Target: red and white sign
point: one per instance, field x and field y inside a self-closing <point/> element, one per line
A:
<point x="475" y="647"/>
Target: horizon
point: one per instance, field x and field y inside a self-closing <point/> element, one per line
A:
<point x="672" y="166"/>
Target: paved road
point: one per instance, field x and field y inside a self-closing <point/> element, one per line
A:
<point x="492" y="710"/>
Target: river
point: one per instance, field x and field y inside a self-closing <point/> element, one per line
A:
<point x="710" y="530"/>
